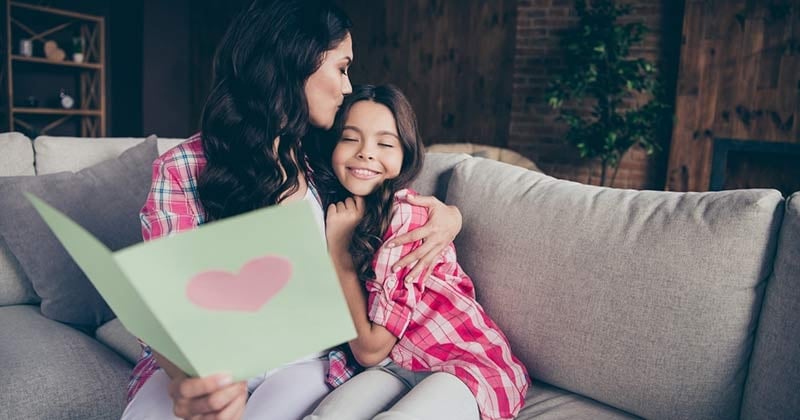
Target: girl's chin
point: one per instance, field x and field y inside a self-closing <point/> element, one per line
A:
<point x="360" y="190"/>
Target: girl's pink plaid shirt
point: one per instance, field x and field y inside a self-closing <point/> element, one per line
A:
<point x="439" y="324"/>
<point x="173" y="206"/>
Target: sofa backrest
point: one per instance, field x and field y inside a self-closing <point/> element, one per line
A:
<point x="57" y="154"/>
<point x="643" y="300"/>
<point x="436" y="172"/>
<point x="773" y="380"/>
<point x="17" y="155"/>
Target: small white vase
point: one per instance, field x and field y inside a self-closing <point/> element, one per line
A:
<point x="77" y="57"/>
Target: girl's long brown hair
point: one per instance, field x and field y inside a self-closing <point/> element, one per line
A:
<point x="368" y="235"/>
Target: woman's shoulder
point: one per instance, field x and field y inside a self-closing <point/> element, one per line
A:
<point x="186" y="157"/>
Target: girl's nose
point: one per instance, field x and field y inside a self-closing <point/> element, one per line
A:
<point x="365" y="155"/>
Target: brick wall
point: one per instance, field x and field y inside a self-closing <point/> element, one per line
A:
<point x="533" y="131"/>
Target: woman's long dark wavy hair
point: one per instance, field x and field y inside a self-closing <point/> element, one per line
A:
<point x="368" y="235"/>
<point x="260" y="70"/>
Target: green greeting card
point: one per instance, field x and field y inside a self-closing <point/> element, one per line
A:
<point x="241" y="295"/>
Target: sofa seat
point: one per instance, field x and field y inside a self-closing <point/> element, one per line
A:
<point x="546" y="402"/>
<point x="81" y="378"/>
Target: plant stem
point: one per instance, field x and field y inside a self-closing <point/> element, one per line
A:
<point x="614" y="175"/>
<point x="603" y="172"/>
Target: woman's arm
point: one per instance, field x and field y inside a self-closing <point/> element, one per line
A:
<point x="444" y="223"/>
<point x="216" y="396"/>
<point x="168" y="210"/>
<point x="374" y="342"/>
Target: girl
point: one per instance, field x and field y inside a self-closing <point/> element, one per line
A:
<point x="280" y="72"/>
<point x="447" y="358"/>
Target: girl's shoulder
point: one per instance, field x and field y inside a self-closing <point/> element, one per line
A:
<point x="401" y="197"/>
<point x="405" y="213"/>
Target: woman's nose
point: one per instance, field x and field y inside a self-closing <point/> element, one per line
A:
<point x="348" y="86"/>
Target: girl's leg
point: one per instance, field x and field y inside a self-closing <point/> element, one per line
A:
<point x="289" y="393"/>
<point x="152" y="401"/>
<point x="360" y="398"/>
<point x="439" y="396"/>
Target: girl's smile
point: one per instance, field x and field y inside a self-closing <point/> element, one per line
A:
<point x="362" y="173"/>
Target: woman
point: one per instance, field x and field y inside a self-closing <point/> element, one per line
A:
<point x="280" y="72"/>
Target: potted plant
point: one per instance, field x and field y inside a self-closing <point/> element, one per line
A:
<point x="610" y="101"/>
<point x="77" y="49"/>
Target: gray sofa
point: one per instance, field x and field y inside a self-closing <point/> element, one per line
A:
<point x="622" y="304"/>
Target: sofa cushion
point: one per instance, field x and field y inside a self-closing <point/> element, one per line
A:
<point x="436" y="172"/>
<point x="51" y="371"/>
<point x="57" y="154"/>
<point x="105" y="199"/>
<point x="114" y="335"/>
<point x="15" y="288"/>
<point x="17" y="155"/>
<point x="643" y="300"/>
<point x="546" y="402"/>
<point x="773" y="380"/>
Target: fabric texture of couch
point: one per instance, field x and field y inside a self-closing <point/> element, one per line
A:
<point x="622" y="304"/>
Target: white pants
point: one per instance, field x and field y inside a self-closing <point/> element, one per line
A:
<point x="287" y="393"/>
<point x="382" y="393"/>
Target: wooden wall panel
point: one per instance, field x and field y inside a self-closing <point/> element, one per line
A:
<point x="452" y="58"/>
<point x="739" y="78"/>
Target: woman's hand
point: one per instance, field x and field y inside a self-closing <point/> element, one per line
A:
<point x="213" y="397"/>
<point x="444" y="223"/>
<point x="340" y="222"/>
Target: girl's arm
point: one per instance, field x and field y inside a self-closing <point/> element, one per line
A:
<point x="374" y="342"/>
<point x="444" y="223"/>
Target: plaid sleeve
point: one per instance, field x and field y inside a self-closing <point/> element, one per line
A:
<point x="391" y="300"/>
<point x="167" y="209"/>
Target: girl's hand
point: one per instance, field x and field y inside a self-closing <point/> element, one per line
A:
<point x="444" y="223"/>
<point x="212" y="397"/>
<point x="340" y="222"/>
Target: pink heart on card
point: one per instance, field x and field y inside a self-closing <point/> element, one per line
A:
<point x="258" y="281"/>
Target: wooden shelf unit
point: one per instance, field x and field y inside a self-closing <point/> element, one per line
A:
<point x="90" y="102"/>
